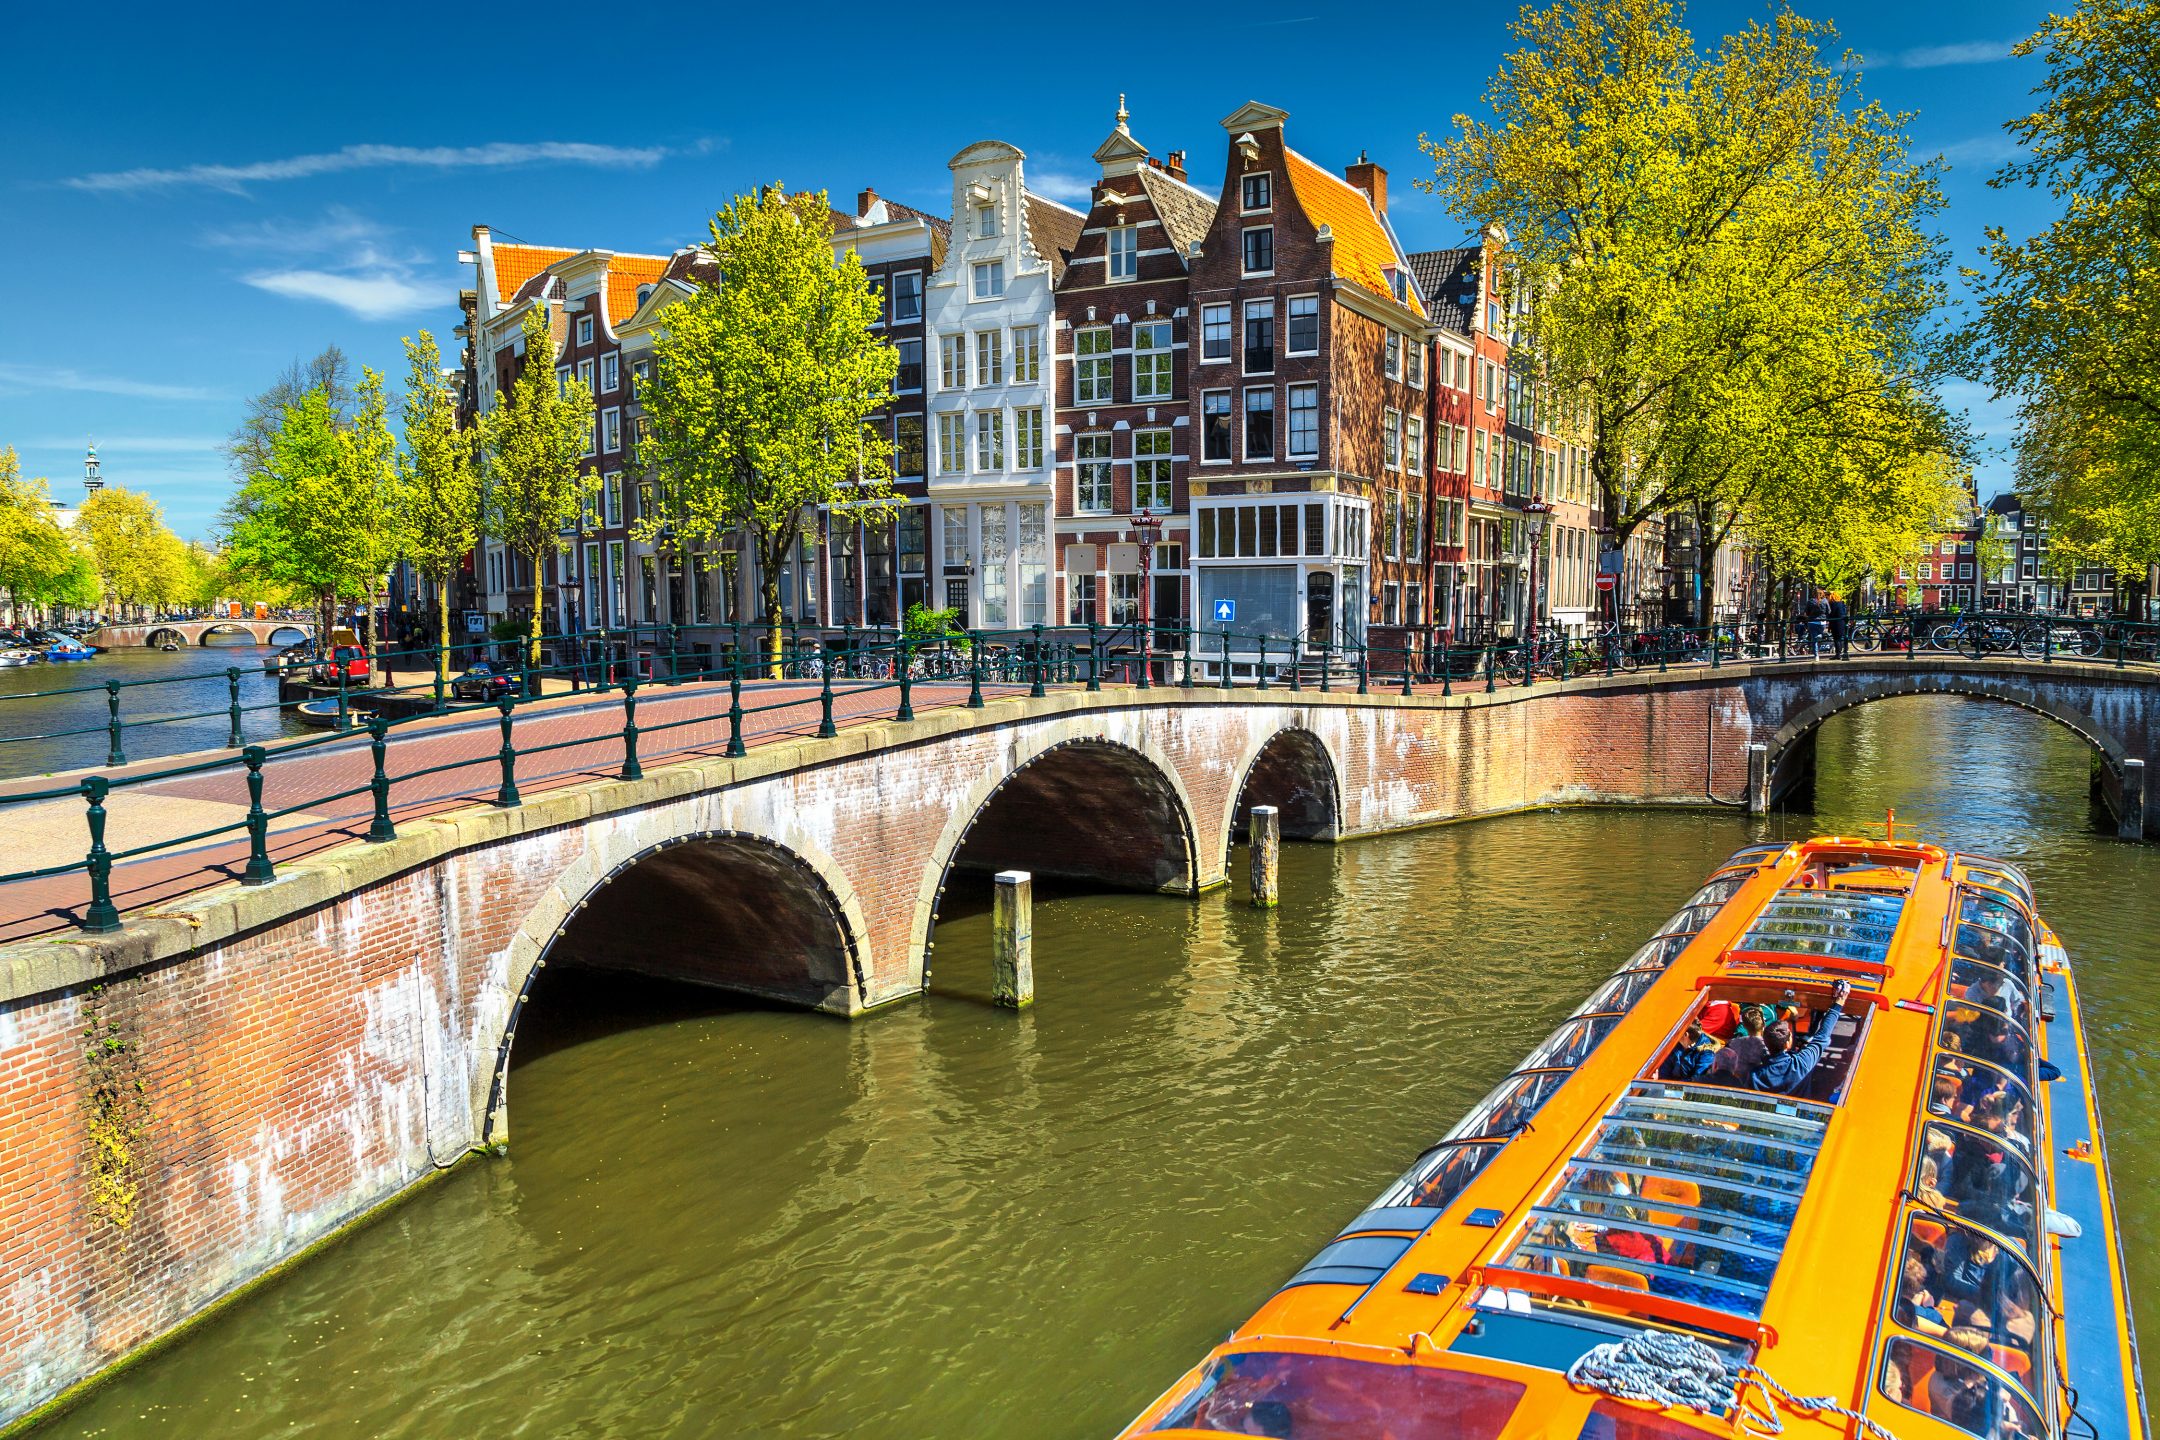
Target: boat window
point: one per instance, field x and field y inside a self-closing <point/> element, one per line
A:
<point x="1983" y="1096"/>
<point x="1841" y="925"/>
<point x="1352" y="1260"/>
<point x="1658" y="953"/>
<point x="1334" y="1397"/>
<point x="1980" y="908"/>
<point x="1993" y="947"/>
<point x="1689" y="919"/>
<point x="1957" y="1285"/>
<point x="1983" y="987"/>
<point x="2003" y="876"/>
<point x="1509" y="1106"/>
<point x="1986" y="1035"/>
<point x="1441" y="1174"/>
<point x="1980" y="1177"/>
<point x="1959" y="1392"/>
<point x="1684" y="1191"/>
<point x="1719" y="889"/>
<point x="1571" y="1044"/>
<point x="1619" y="994"/>
<point x="1752" y="855"/>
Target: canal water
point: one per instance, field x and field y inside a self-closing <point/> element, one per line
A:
<point x="719" y="1219"/>
<point x="56" y="717"/>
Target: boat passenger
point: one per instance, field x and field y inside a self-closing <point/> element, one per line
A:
<point x="1747" y="1050"/>
<point x="1786" y="1069"/>
<point x="1694" y="1058"/>
<point x="1917" y="1306"/>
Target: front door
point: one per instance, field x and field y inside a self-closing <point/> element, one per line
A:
<point x="1319" y="606"/>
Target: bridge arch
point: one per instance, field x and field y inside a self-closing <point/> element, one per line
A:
<point x="1294" y="771"/>
<point x="269" y="634"/>
<point x="1087" y="807"/>
<point x="724" y="908"/>
<point x="230" y="627"/>
<point x="1804" y="722"/>
<point x="158" y="636"/>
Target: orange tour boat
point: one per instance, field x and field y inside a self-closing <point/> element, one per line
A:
<point x="1822" y="1157"/>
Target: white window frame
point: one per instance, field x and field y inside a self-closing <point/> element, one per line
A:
<point x="1094" y="371"/>
<point x="986" y="281"/>
<point x="989" y="357"/>
<point x="1245" y="249"/>
<point x="584" y="330"/>
<point x="1245" y="449"/>
<point x="1312" y="412"/>
<point x="989" y="442"/>
<point x="1267" y="201"/>
<point x="1154" y="471"/>
<point x="1125" y="239"/>
<point x="1027" y="448"/>
<point x="1161" y="360"/>
<point x="1229" y="329"/>
<point x="611" y="428"/>
<point x="952" y="442"/>
<point x="1027" y="354"/>
<point x="1391" y="450"/>
<point x="1230" y="414"/>
<point x="1290" y="308"/>
<point x="610" y="373"/>
<point x="894" y="292"/>
<point x="1094" y="478"/>
<point x="1263" y="308"/>
<point x="952" y="360"/>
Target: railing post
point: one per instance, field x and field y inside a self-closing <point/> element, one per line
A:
<point x="1491" y="665"/>
<point x="1262" y="675"/>
<point x="904" y="660"/>
<point x="2121" y="647"/>
<point x="1188" y="657"/>
<point x="826" y="729"/>
<point x="1713" y="647"/>
<point x="438" y="667"/>
<point x="1222" y="680"/>
<point x="1364" y="668"/>
<point x="975" y="657"/>
<point x="1036" y="691"/>
<point x="674" y="659"/>
<point x="1447" y="672"/>
<point x="232" y="694"/>
<point x="631" y="770"/>
<point x="1663" y="645"/>
<point x="734" y="709"/>
<point x="506" y="795"/>
<point x="1560" y="649"/>
<point x="114" y="754"/>
<point x="1406" y="668"/>
<point x="101" y="918"/>
<point x="1327" y="662"/>
<point x="1147" y="657"/>
<point x="258" y="871"/>
<point x="1297" y="666"/>
<point x="378" y="749"/>
<point x="1094" y="680"/>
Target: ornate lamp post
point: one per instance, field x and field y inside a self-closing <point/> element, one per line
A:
<point x="1535" y="514"/>
<point x="1146" y="527"/>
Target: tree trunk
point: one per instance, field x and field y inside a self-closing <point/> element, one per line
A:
<point x="532" y="628"/>
<point x="769" y="589"/>
<point x="442" y="631"/>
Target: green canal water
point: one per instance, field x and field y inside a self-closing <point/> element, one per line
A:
<point x="947" y="1221"/>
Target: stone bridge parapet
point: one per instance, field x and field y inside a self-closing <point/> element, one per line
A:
<point x="151" y="634"/>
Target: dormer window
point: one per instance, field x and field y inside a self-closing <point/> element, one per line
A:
<point x="1399" y="286"/>
<point x="644" y="293"/>
<point x="986" y="222"/>
<point x="1257" y="192"/>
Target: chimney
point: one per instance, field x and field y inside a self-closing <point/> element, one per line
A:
<point x="1175" y="164"/>
<point x="1371" y="179"/>
<point x="864" y="201"/>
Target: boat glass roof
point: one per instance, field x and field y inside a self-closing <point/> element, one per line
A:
<point x="1842" y="924"/>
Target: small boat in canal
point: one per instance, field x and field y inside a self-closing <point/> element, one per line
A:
<point x="1822" y="1158"/>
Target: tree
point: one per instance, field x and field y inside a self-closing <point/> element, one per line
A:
<point x="2069" y="319"/>
<point x="39" y="564"/>
<point x="1707" y="246"/>
<point x="439" y="491"/>
<point x="762" y="387"/>
<point x="534" y="441"/>
<point x="138" y="561"/>
<point x="248" y="448"/>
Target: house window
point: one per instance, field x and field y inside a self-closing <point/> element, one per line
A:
<point x="1391" y="525"/>
<point x="952" y="362"/>
<point x="1304" y="336"/>
<point x="1091" y="366"/>
<point x="1260" y="250"/>
<point x="1394" y="356"/>
<point x="611" y="429"/>
<point x="1927" y="571"/>
<point x="990" y="357"/>
<point x="641" y="371"/>
<point x="908" y="378"/>
<point x="584" y="330"/>
<point x="1413" y="444"/>
<point x="1151" y="470"/>
<point x="1414" y="535"/>
<point x="1125" y="597"/>
<point x="986" y="222"/>
<point x="1080" y="598"/>
<point x="1257" y="192"/>
<point x="1215" y="332"/>
<point x="610" y="373"/>
<point x="1414" y="363"/>
<point x="989" y="441"/>
<point x="989" y="279"/>
<point x="584" y="374"/>
<point x="908" y="446"/>
<point x="1091" y="475"/>
<point x="612" y="489"/>
<point x="1391" y="439"/>
<point x="1027" y="355"/>
<point x="1028" y="439"/>
<point x="1259" y="337"/>
<point x="1391" y="603"/>
<point x="1125" y="252"/>
<point x="1215" y="425"/>
<point x="1259" y="423"/>
<point x="1304" y="420"/>
<point x="907" y="295"/>
<point x="1492" y="388"/>
<point x="952" y="443"/>
<point x="1153" y="372"/>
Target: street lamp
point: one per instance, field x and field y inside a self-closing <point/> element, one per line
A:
<point x="1535" y="514"/>
<point x="1146" y="526"/>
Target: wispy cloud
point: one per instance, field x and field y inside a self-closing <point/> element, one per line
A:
<point x="137" y="444"/>
<point x="499" y="155"/>
<point x="340" y="229"/>
<point x="1292" y="20"/>
<point x="53" y="377"/>
<point x="1934" y="57"/>
<point x="379" y="294"/>
<point x="1982" y="150"/>
<point x="1062" y="185"/>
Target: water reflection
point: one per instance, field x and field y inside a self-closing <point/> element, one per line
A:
<point x="722" y="1218"/>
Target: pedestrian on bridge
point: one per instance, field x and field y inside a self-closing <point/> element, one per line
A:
<point x="1840" y="623"/>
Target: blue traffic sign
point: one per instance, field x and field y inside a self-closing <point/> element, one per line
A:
<point x="1225" y="611"/>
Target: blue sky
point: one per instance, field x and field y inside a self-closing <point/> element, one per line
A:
<point x="191" y="198"/>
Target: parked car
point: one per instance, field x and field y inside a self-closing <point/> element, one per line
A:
<point x="485" y="682"/>
<point x="349" y="661"/>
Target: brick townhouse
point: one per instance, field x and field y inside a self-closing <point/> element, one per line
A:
<point x="1447" y="281"/>
<point x="1308" y="373"/>
<point x="1124" y="433"/>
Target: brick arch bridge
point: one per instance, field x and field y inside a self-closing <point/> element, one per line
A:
<point x="310" y="1048"/>
<point x="154" y="633"/>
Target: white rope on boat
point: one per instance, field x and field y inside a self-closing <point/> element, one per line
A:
<point x="1659" y="1367"/>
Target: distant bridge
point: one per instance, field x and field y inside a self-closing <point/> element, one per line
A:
<point x="288" y="1055"/>
<point x="155" y="634"/>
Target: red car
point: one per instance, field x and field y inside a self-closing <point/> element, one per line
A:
<point x="349" y="661"/>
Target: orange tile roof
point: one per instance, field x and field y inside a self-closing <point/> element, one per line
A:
<point x="625" y="274"/>
<point x="516" y="264"/>
<point x="1363" y="251"/>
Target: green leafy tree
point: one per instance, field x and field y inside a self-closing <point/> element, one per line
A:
<point x="1710" y="244"/>
<point x="534" y="441"/>
<point x="139" y="562"/>
<point x="39" y="564"/>
<point x="439" y="493"/>
<point x="763" y="385"/>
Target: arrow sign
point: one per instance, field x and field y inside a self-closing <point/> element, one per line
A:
<point x="1225" y="611"/>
